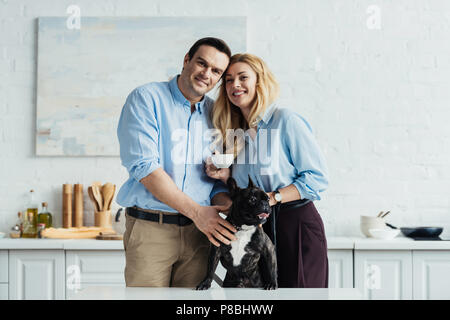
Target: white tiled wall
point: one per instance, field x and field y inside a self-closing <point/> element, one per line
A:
<point x="372" y="78"/>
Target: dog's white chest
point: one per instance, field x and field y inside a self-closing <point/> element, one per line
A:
<point x="238" y="246"/>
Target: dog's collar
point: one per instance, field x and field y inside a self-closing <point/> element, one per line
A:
<point x="244" y="227"/>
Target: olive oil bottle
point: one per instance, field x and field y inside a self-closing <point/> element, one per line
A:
<point x="30" y="219"/>
<point x="29" y="226"/>
<point x="45" y="216"/>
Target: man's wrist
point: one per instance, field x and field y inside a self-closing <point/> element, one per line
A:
<point x="192" y="212"/>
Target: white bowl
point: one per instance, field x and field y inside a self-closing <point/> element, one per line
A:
<point x="384" y="234"/>
<point x="367" y="223"/>
<point x="222" y="160"/>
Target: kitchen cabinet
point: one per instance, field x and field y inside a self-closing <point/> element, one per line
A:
<point x="340" y="268"/>
<point x="4" y="291"/>
<point x="3" y="266"/>
<point x="93" y="267"/>
<point x="384" y="275"/>
<point x="391" y="269"/>
<point x="431" y="275"/>
<point x="36" y="274"/>
<point x="4" y="275"/>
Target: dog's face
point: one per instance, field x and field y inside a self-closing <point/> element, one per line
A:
<point x="250" y="205"/>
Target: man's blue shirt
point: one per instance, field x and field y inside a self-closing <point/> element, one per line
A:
<point x="157" y="130"/>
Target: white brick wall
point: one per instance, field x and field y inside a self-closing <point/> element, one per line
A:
<point x="378" y="100"/>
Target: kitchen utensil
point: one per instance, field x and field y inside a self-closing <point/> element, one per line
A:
<point x="370" y="222"/>
<point x="109" y="236"/>
<point x="108" y="190"/>
<point x="67" y="205"/>
<point x="419" y="232"/>
<point x="78" y="206"/>
<point x="119" y="222"/>
<point x="94" y="201"/>
<point x="384" y="215"/>
<point x="96" y="190"/>
<point x="112" y="197"/>
<point x="384" y="234"/>
<point x="428" y="232"/>
<point x="381" y="212"/>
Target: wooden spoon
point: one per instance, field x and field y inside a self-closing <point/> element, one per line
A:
<point x="97" y="195"/>
<point x="91" y="196"/>
<point x="110" y="201"/>
<point x="108" y="193"/>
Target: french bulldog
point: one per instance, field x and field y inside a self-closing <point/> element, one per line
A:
<point x="250" y="260"/>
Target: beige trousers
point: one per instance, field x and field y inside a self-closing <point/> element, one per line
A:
<point x="164" y="255"/>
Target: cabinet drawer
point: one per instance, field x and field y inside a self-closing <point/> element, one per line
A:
<point x="340" y="268"/>
<point x="97" y="266"/>
<point x="4" y="291"/>
<point x="384" y="275"/>
<point x="431" y="275"/>
<point x="4" y="266"/>
<point x="36" y="274"/>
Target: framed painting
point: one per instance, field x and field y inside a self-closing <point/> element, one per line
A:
<point x="85" y="74"/>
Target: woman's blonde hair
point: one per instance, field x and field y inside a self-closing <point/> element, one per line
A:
<point x="226" y="116"/>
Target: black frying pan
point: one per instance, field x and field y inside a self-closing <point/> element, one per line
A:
<point x="425" y="232"/>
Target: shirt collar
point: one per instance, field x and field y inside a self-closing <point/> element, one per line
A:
<point x="267" y="115"/>
<point x="180" y="98"/>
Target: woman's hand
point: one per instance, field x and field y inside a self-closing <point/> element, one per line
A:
<point x="213" y="172"/>
<point x="272" y="200"/>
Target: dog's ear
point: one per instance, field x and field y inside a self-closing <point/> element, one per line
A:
<point x="233" y="187"/>
<point x="250" y="182"/>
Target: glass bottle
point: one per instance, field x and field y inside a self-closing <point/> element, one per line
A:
<point x="30" y="219"/>
<point x="45" y="216"/>
<point x="40" y="227"/>
<point x="29" y="225"/>
<point x="32" y="205"/>
<point x="16" y="231"/>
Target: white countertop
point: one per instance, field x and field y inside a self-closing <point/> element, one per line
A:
<point x="334" y="243"/>
<point x="64" y="244"/>
<point x="135" y="293"/>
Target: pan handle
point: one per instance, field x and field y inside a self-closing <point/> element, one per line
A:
<point x="391" y="226"/>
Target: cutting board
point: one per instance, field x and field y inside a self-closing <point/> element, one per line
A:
<point x="75" y="233"/>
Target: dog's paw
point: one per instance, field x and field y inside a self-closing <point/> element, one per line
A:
<point x="204" y="285"/>
<point x="270" y="286"/>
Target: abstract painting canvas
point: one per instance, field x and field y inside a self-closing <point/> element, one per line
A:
<point x="86" y="73"/>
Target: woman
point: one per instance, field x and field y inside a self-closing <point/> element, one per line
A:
<point x="280" y="154"/>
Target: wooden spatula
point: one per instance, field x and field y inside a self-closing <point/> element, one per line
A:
<point x="91" y="196"/>
<point x="96" y="190"/>
<point x="108" y="190"/>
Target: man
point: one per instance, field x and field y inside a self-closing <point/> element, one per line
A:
<point x="165" y="192"/>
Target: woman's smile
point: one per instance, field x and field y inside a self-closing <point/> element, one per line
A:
<point x="240" y="80"/>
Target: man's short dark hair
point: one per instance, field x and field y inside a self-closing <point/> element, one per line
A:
<point x="219" y="44"/>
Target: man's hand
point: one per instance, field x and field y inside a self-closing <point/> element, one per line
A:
<point x="208" y="221"/>
<point x="213" y="172"/>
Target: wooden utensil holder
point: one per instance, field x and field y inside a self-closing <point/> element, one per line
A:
<point x="103" y="219"/>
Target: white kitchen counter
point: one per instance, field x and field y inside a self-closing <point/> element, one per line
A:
<point x="64" y="244"/>
<point x="399" y="243"/>
<point x="134" y="293"/>
<point x="334" y="243"/>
